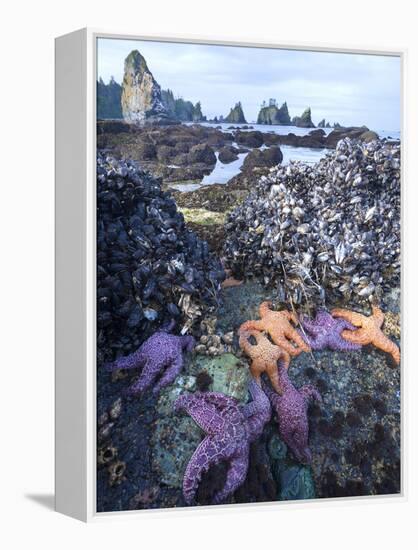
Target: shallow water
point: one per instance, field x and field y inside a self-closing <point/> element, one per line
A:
<point x="222" y="173"/>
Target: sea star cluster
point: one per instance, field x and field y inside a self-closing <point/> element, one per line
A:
<point x="269" y="342"/>
<point x="230" y="428"/>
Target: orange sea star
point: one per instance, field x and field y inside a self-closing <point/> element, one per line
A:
<point x="369" y="330"/>
<point x="278" y="325"/>
<point x="264" y="356"/>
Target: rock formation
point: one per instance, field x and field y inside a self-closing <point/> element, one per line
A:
<point x="236" y="115"/>
<point x="271" y="114"/>
<point x="141" y="93"/>
<point x="305" y="120"/>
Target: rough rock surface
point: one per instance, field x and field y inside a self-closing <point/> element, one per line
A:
<point x="305" y="120"/>
<point x="273" y="115"/>
<point x="236" y="115"/>
<point x="141" y="93"/>
<point x="228" y="154"/>
<point x="263" y="159"/>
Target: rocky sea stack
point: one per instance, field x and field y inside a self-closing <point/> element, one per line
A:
<point x="141" y="94"/>
<point x="271" y="114"/>
<point x="236" y="115"/>
<point x="305" y="120"/>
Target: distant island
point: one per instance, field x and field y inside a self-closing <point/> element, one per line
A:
<point x="140" y="99"/>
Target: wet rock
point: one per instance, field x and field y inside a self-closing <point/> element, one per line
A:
<point x="263" y="159"/>
<point x="252" y="138"/>
<point x="202" y="153"/>
<point x="228" y="154"/>
<point x="229" y="374"/>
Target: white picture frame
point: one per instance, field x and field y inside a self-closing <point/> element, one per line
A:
<point x="75" y="366"/>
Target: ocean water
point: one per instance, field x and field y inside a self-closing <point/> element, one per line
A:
<point x="283" y="130"/>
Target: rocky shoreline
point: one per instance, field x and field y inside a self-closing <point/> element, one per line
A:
<point x="181" y="153"/>
<point x="159" y="258"/>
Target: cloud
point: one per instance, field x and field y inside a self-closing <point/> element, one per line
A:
<point x="349" y="88"/>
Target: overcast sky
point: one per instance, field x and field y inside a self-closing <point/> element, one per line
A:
<point x="350" y="89"/>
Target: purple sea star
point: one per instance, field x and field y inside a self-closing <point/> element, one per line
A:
<point x="230" y="428"/>
<point x="160" y="355"/>
<point x="291" y="409"/>
<point x="325" y="332"/>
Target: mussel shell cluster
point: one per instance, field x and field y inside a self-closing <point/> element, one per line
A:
<point x="150" y="267"/>
<point x="329" y="231"/>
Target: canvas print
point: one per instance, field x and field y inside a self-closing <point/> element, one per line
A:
<point x="248" y="274"/>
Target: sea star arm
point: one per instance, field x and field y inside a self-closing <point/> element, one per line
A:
<point x="385" y="344"/>
<point x="310" y="326"/>
<point x="280" y="340"/>
<point x="259" y="400"/>
<point x="203" y="413"/>
<point x="244" y="344"/>
<point x="264" y="308"/>
<point x="205" y="455"/>
<point x="238" y="468"/>
<point x="258" y="411"/>
<point x="291" y="316"/>
<point x="352" y="317"/>
<point x="273" y="374"/>
<point x="378" y="315"/>
<point x="133" y="361"/>
<point x="219" y="400"/>
<point x="251" y="325"/>
<point x="170" y="374"/>
<point x="188" y="343"/>
<point x="340" y="343"/>
<point x="310" y="393"/>
<point x="146" y="378"/>
<point x="272" y="395"/>
<point x="257" y="367"/>
<point x="295" y="337"/>
<point x="359" y="336"/>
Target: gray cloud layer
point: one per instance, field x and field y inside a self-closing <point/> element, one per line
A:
<point x="352" y="89"/>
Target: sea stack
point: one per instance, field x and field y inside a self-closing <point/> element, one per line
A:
<point x="141" y="94"/>
<point x="271" y="114"/>
<point x="236" y="115"/>
<point x="304" y="121"/>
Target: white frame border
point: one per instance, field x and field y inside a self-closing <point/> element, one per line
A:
<point x="86" y="511"/>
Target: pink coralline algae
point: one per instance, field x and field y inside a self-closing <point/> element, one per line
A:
<point x="161" y="356"/>
<point x="230" y="428"/>
<point x="325" y="332"/>
<point x="291" y="409"/>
